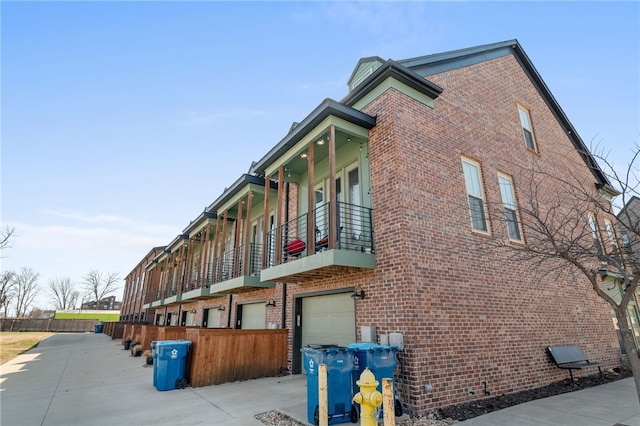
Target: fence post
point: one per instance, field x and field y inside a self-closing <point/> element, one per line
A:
<point x="387" y="403"/>
<point x="323" y="403"/>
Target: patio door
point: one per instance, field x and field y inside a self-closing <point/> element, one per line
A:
<point x="321" y="211"/>
<point x="355" y="202"/>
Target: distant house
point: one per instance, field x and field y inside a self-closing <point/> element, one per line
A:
<point x="629" y="224"/>
<point x="339" y="233"/>
<point x="108" y="303"/>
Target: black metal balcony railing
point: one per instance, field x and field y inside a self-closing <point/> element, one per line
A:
<point x="233" y="262"/>
<point x="199" y="278"/>
<point x="353" y="231"/>
<point x="355" y="224"/>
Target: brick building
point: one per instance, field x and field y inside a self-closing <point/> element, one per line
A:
<point x="629" y="220"/>
<point x="108" y="303"/>
<point x="132" y="308"/>
<point x="362" y="222"/>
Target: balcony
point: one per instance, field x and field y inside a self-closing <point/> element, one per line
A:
<point x="198" y="286"/>
<point x="233" y="277"/>
<point x="352" y="251"/>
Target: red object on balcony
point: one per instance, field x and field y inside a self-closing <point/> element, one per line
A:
<point x="323" y="243"/>
<point x="296" y="246"/>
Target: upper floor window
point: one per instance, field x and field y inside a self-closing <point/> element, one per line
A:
<point x="475" y="195"/>
<point x="626" y="242"/>
<point x="594" y="231"/>
<point x="527" y="129"/>
<point x="611" y="234"/>
<point x="510" y="208"/>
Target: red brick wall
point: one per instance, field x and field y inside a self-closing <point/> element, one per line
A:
<point x="469" y="316"/>
<point x="136" y="289"/>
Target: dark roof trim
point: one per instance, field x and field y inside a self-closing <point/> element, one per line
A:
<point x="393" y="69"/>
<point x="441" y="62"/>
<point x="236" y="187"/>
<point x="195" y="222"/>
<point x="628" y="206"/>
<point x="454" y="59"/>
<point x="366" y="60"/>
<point x="327" y="108"/>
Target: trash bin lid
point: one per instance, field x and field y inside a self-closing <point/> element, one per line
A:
<point x="173" y="342"/>
<point x="366" y="346"/>
<point x="321" y="346"/>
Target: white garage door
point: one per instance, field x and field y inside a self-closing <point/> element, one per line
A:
<point x="253" y="315"/>
<point x="328" y="319"/>
<point x="190" y="320"/>
<point x="213" y="318"/>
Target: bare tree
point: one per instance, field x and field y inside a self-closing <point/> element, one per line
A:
<point x="570" y="219"/>
<point x="63" y="293"/>
<point x="6" y="235"/>
<point x="26" y="290"/>
<point x="7" y="290"/>
<point x="99" y="287"/>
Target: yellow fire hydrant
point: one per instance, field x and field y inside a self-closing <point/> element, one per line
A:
<point x="368" y="398"/>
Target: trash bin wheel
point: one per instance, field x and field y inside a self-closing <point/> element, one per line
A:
<point x="181" y="383"/>
<point x="354" y="414"/>
<point x="316" y="416"/>
<point x="398" y="408"/>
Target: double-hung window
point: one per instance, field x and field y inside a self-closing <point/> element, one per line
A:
<point x="593" y="225"/>
<point x="527" y="129"/>
<point x="612" y="235"/>
<point x="510" y="208"/>
<point x="475" y="195"/>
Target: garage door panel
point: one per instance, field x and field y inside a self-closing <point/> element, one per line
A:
<point x="213" y="318"/>
<point x="328" y="319"/>
<point x="253" y="316"/>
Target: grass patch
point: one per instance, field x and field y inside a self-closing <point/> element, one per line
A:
<point x="13" y="344"/>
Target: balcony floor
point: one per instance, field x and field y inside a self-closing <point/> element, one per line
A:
<point x="325" y="264"/>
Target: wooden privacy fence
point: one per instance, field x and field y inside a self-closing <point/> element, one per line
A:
<point x="53" y="325"/>
<point x="225" y="355"/>
<point x="217" y="355"/>
<point x="131" y="331"/>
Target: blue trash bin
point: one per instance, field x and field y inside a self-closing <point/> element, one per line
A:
<point x="169" y="364"/>
<point x="98" y="328"/>
<point x="339" y="362"/>
<point x="154" y="356"/>
<point x="381" y="360"/>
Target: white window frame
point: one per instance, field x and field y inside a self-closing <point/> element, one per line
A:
<point x="527" y="127"/>
<point x="475" y="191"/>
<point x="593" y="225"/>
<point x="595" y="234"/>
<point x="608" y="226"/>
<point x="508" y="196"/>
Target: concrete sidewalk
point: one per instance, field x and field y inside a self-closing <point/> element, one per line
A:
<point x="611" y="404"/>
<point x="88" y="379"/>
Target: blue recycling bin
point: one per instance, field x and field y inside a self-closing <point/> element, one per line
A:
<point x="381" y="360"/>
<point x="154" y="356"/>
<point x="98" y="328"/>
<point x="169" y="364"/>
<point x="339" y="362"/>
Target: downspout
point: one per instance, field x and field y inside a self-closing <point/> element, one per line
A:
<point x="229" y="304"/>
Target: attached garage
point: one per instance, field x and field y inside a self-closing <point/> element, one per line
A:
<point x="211" y="318"/>
<point x="252" y="315"/>
<point x="323" y="319"/>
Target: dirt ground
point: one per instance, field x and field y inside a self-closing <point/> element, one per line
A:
<point x="13" y="344"/>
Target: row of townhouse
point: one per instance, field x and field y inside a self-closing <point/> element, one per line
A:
<point x="367" y="219"/>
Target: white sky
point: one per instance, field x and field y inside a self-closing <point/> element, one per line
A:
<point x="122" y="121"/>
